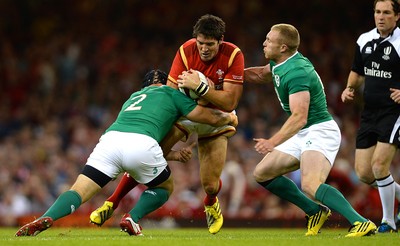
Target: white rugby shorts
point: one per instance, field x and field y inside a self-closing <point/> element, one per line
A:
<point x="139" y="155"/>
<point x="323" y="137"/>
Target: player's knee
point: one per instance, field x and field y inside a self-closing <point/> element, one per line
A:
<point x="309" y="188"/>
<point x="365" y="180"/>
<point x="365" y="177"/>
<point x="380" y="169"/>
<point x="364" y="173"/>
<point x="258" y="177"/>
<point x="260" y="174"/>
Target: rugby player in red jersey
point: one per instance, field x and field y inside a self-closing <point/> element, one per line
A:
<point x="223" y="64"/>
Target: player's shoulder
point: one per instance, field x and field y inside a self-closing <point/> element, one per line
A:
<point x="230" y="50"/>
<point x="166" y="91"/>
<point x="164" y="87"/>
<point x="180" y="98"/>
<point x="395" y="39"/>
<point x="396" y="32"/>
<point x="297" y="60"/>
<point x="157" y="90"/>
<point x="228" y="46"/>
<point x="367" y="37"/>
<point x="171" y="91"/>
<point x="298" y="65"/>
<point x="189" y="43"/>
<point x="188" y="48"/>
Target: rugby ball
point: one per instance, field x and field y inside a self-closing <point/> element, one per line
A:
<point x="191" y="93"/>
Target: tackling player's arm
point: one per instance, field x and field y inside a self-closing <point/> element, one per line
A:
<point x="212" y="117"/>
<point x="172" y="137"/>
<point x="260" y="74"/>
<point x="182" y="155"/>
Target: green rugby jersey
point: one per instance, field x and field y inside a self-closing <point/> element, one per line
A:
<point x="152" y="111"/>
<point x="298" y="74"/>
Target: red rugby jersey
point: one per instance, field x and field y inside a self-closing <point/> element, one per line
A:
<point x="227" y="66"/>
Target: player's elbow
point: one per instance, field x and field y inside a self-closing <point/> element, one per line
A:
<point x="302" y="122"/>
<point x="299" y="119"/>
<point x="210" y="119"/>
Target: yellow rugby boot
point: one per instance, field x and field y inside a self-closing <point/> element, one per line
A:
<point x="359" y="229"/>
<point x="102" y="214"/>
<point x="214" y="217"/>
<point x="316" y="221"/>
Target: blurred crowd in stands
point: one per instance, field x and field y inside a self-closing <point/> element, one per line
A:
<point x="67" y="66"/>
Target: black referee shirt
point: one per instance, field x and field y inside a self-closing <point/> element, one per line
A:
<point x="378" y="59"/>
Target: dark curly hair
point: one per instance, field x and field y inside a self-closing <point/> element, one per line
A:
<point x="210" y="26"/>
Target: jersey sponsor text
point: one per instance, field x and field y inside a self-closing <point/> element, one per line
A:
<point x="377" y="73"/>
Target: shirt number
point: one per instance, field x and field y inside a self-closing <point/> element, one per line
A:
<point x="136" y="100"/>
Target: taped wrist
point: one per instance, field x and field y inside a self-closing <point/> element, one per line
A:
<point x="202" y="89"/>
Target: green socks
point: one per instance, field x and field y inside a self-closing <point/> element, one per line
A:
<point x="150" y="200"/>
<point x="286" y="189"/>
<point x="65" y="204"/>
<point x="326" y="194"/>
<point x="332" y="198"/>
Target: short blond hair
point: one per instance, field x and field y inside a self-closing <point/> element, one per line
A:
<point x="288" y="36"/>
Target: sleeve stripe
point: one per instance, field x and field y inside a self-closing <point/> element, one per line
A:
<point x="172" y="79"/>
<point x="233" y="56"/>
<point x="233" y="81"/>
<point x="183" y="56"/>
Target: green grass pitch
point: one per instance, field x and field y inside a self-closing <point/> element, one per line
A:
<point x="196" y="236"/>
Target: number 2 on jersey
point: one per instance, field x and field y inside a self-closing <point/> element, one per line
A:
<point x="135" y="101"/>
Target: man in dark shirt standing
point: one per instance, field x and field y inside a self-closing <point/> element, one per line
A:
<point x="376" y="65"/>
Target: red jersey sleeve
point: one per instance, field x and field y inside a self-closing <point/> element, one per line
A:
<point x="235" y="71"/>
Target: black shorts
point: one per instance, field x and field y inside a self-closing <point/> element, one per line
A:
<point x="379" y="125"/>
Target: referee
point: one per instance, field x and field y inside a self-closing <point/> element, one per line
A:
<point x="376" y="66"/>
